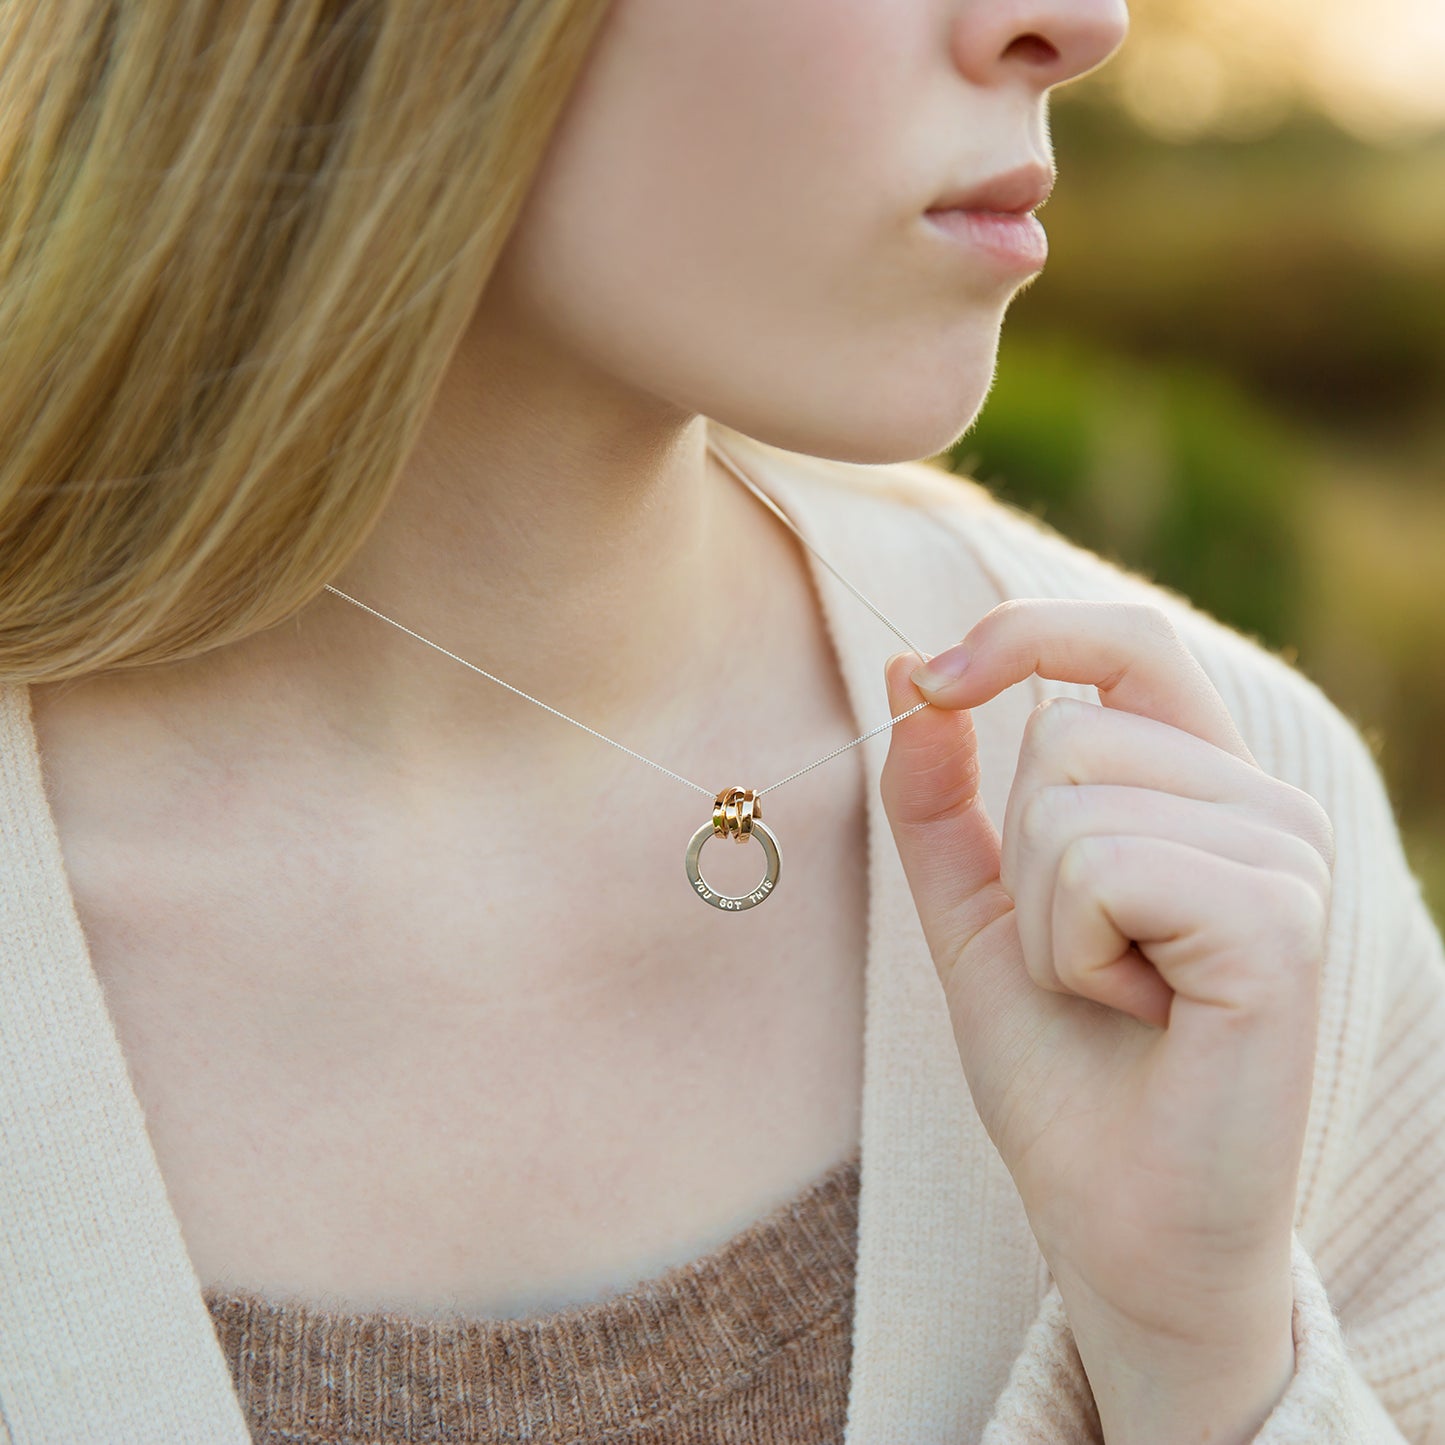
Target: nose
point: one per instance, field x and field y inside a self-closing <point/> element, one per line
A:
<point x="1048" y="42"/>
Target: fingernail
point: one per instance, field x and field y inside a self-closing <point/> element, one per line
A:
<point x="941" y="671"/>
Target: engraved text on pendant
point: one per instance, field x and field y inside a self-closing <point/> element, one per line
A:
<point x="734" y="902"/>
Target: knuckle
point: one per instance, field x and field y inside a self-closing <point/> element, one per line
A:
<point x="1072" y="976"/>
<point x="1312" y="866"/>
<point x="1083" y="859"/>
<point x="1301" y="860"/>
<point x="1012" y="606"/>
<point x="1043" y="814"/>
<point x="1042" y="972"/>
<point x="1006" y="617"/>
<point x="1305" y="816"/>
<point x="1154" y="619"/>
<point x="1322" y="832"/>
<point x="1051" y="719"/>
<point x="1299" y="917"/>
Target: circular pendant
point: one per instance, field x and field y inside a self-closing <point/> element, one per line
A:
<point x="737" y="814"/>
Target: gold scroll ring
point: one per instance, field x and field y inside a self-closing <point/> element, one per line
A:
<point x="737" y="813"/>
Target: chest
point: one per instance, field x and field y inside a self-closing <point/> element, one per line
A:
<point x="427" y="1078"/>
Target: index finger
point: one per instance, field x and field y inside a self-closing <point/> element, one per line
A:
<point x="1130" y="651"/>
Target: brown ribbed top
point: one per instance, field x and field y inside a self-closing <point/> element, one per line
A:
<point x="749" y="1342"/>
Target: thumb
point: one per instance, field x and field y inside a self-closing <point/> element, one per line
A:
<point x="950" y="852"/>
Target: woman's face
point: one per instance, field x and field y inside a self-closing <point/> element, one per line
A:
<point x="729" y="220"/>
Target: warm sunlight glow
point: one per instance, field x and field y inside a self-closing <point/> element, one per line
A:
<point x="1234" y="67"/>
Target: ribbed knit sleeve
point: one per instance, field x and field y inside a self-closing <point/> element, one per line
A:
<point x="1369" y="1240"/>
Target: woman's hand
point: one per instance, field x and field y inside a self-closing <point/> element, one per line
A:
<point x="1132" y="974"/>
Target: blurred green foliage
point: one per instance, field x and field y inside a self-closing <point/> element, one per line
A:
<point x="1169" y="469"/>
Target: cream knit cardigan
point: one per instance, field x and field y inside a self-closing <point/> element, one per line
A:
<point x="959" y="1335"/>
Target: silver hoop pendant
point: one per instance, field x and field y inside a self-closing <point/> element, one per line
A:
<point x="737" y="814"/>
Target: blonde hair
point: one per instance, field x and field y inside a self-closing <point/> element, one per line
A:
<point x="239" y="241"/>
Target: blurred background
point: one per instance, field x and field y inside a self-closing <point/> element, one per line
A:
<point x="1230" y="376"/>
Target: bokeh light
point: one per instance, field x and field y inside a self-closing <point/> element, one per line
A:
<point x="1194" y="68"/>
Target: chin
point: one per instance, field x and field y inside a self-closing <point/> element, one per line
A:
<point x="892" y="423"/>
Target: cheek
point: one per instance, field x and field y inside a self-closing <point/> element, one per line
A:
<point x="702" y="132"/>
<point x="727" y="215"/>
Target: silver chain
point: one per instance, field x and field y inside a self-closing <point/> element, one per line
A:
<point x="708" y="792"/>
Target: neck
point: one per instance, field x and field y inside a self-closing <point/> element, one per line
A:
<point x="587" y="550"/>
<point x="586" y="577"/>
<point x="566" y="532"/>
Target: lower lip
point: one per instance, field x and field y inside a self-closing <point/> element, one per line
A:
<point x="1017" y="240"/>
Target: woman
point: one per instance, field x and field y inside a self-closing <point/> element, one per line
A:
<point x="370" y="1069"/>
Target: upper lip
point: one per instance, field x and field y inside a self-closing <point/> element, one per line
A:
<point x="1014" y="191"/>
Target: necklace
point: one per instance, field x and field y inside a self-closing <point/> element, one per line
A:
<point x="737" y="813"/>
